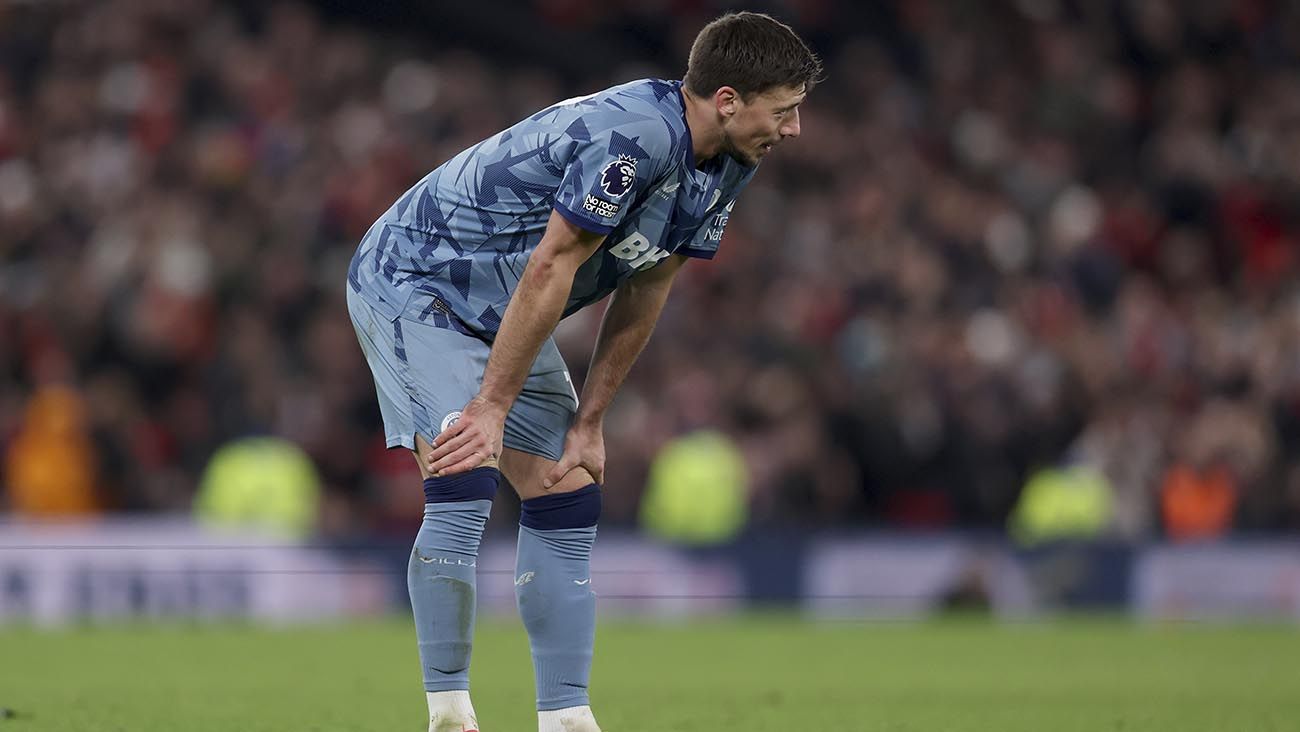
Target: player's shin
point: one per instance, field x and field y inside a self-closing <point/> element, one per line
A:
<point x="441" y="581"/>
<point x="556" y="602"/>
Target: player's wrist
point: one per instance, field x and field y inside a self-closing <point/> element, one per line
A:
<point x="494" y="404"/>
<point x="589" y="420"/>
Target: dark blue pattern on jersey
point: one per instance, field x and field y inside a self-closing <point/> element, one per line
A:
<point x="451" y="250"/>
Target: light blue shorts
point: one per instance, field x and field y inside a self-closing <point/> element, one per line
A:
<point x="425" y="374"/>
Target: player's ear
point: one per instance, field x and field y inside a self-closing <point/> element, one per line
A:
<point x="726" y="99"/>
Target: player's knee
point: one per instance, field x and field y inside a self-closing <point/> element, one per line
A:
<point x="572" y="510"/>
<point x="479" y="484"/>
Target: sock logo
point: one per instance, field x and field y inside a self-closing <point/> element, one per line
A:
<point x="448" y="560"/>
<point x="524" y="579"/>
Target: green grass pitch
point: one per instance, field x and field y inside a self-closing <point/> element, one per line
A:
<point x="750" y="675"/>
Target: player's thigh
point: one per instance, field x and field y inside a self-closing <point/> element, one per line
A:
<point x="536" y="426"/>
<point x="526" y="471"/>
<point x="424" y="374"/>
<point x="422" y="451"/>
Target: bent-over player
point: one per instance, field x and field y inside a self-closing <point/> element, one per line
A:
<point x="455" y="292"/>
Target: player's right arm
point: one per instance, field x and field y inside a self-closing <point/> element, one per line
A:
<point x="608" y="156"/>
<point x="530" y="318"/>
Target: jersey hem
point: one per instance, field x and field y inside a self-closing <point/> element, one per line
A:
<point x="697" y="253"/>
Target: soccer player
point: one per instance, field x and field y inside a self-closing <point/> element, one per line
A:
<point x="456" y="289"/>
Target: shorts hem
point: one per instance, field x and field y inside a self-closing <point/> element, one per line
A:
<point x="407" y="441"/>
<point x="539" y="452"/>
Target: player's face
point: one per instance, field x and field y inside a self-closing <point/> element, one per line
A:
<point x="756" y="126"/>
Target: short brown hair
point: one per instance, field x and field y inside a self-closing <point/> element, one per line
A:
<point x="751" y="52"/>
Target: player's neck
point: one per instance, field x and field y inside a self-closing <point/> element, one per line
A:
<point x="706" y="133"/>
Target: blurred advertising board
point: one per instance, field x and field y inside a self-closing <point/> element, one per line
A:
<point x="1218" y="581"/>
<point x="54" y="573"/>
<point x="162" y="568"/>
<point x="905" y="577"/>
<point x="908" y="577"/>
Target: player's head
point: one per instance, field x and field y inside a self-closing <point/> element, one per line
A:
<point x="757" y="71"/>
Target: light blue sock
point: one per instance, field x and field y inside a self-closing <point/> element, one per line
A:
<point x="554" y="593"/>
<point x="441" y="574"/>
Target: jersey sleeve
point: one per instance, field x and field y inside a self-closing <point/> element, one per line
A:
<point x="609" y="160"/>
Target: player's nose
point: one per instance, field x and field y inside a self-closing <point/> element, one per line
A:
<point x="791" y="127"/>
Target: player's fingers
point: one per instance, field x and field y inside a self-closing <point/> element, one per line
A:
<point x="594" y="469"/>
<point x="561" y="469"/>
<point x="449" y="446"/>
<point x="453" y="429"/>
<point x="466" y="465"/>
<point x="471" y="450"/>
<point x="467" y="452"/>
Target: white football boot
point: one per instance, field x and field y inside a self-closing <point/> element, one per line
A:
<point x="450" y="711"/>
<point x="571" y="719"/>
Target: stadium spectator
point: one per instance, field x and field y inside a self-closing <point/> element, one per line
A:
<point x="264" y="484"/>
<point x="50" y="465"/>
<point x="1020" y="233"/>
<point x="1198" y="504"/>
<point x="1057" y="504"/>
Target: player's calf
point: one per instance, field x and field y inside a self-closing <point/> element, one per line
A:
<point x="556" y="602"/>
<point x="442" y="583"/>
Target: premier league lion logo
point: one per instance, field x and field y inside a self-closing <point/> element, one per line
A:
<point x="616" y="178"/>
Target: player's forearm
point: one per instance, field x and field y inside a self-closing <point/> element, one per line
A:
<point x="529" y="319"/>
<point x="626" y="328"/>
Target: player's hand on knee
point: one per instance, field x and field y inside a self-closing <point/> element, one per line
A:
<point x="470" y="441"/>
<point x="584" y="447"/>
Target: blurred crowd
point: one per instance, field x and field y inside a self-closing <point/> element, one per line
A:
<point x="1014" y="237"/>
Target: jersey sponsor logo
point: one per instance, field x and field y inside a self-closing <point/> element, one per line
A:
<point x="616" y="177"/>
<point x="718" y="224"/>
<point x="638" y="252"/>
<point x="449" y="420"/>
<point x="600" y="207"/>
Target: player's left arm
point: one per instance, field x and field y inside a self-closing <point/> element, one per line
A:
<point x="629" y="320"/>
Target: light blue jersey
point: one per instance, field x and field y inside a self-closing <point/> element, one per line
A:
<point x="619" y="162"/>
